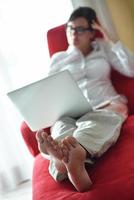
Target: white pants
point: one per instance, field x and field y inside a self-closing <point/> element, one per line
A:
<point x="96" y="131"/>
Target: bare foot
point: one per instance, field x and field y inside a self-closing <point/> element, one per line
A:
<point x="48" y="145"/>
<point x="40" y="140"/>
<point x="75" y="164"/>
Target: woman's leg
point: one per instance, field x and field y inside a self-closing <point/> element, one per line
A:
<point x="98" y="130"/>
<point x="95" y="133"/>
<point x="64" y="157"/>
<point x="75" y="164"/>
<point x="51" y="145"/>
<point x="47" y="145"/>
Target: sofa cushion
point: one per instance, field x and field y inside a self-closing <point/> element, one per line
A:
<point x="112" y="174"/>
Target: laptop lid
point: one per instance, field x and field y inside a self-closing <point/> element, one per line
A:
<point x="43" y="102"/>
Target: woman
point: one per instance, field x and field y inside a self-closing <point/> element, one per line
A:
<point x="76" y="141"/>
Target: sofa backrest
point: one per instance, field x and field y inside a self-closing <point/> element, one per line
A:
<point x="57" y="41"/>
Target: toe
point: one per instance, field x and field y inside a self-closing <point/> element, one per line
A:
<point x="39" y="136"/>
<point x="67" y="144"/>
<point x="71" y="140"/>
<point x="45" y="136"/>
<point x="65" y="155"/>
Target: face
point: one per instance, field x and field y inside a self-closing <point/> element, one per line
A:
<point x="79" y="35"/>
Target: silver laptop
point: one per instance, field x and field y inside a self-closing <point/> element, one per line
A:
<point x="43" y="102"/>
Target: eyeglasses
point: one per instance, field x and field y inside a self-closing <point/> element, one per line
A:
<point x="79" y="30"/>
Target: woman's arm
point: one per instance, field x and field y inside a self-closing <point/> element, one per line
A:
<point x="119" y="56"/>
<point x="55" y="63"/>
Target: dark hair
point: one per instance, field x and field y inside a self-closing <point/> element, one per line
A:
<point x="88" y="13"/>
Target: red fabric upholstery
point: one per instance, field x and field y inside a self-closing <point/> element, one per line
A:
<point x="56" y="43"/>
<point x="113" y="173"/>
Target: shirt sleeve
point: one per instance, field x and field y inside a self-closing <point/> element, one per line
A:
<point x="55" y="63"/>
<point x="120" y="58"/>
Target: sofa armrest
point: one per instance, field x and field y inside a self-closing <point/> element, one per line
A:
<point x="30" y="138"/>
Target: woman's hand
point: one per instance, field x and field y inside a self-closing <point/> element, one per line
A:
<point x="96" y="26"/>
<point x="104" y="32"/>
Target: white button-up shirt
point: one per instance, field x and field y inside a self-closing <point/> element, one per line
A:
<point x="92" y="72"/>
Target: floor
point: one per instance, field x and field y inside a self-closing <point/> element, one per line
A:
<point x="23" y="192"/>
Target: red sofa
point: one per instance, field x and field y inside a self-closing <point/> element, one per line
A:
<point x="112" y="174"/>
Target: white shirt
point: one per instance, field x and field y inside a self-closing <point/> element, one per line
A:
<point x="92" y="72"/>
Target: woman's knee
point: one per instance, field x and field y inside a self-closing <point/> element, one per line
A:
<point x="119" y="108"/>
<point x="63" y="125"/>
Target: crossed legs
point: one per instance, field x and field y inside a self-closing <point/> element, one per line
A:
<point x="68" y="156"/>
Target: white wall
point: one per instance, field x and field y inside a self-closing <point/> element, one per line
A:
<point x="23" y="49"/>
